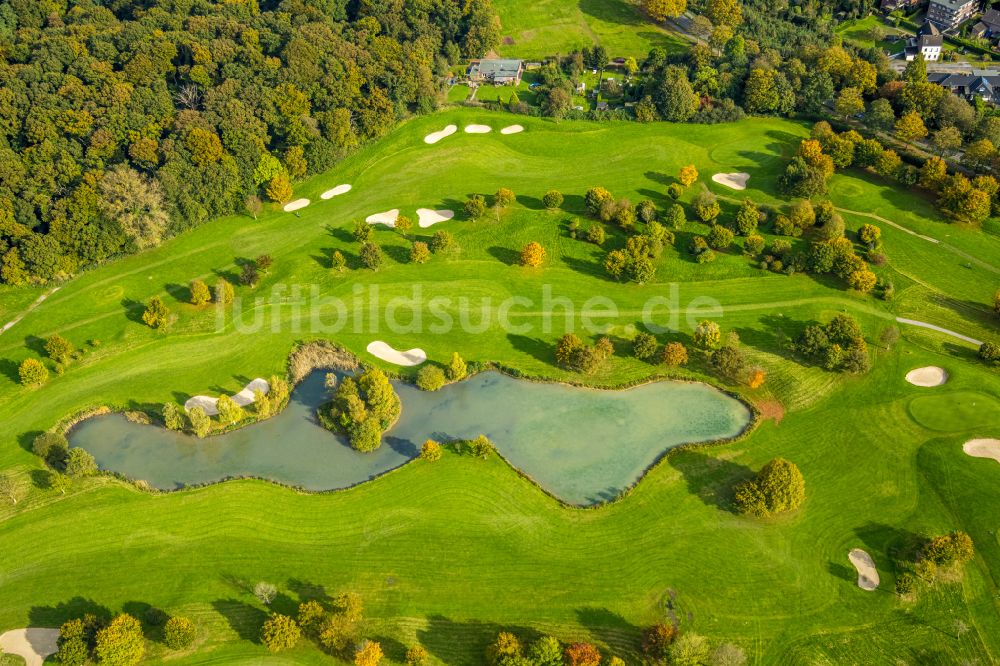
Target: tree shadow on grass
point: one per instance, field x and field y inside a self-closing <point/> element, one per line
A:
<point x="711" y="479"/>
<point x="133" y="310"/>
<point x="244" y="619"/>
<point x="900" y="545"/>
<point x="660" y="178"/>
<point x="610" y="628"/>
<point x="26" y="439"/>
<point x="531" y="203"/>
<point x="307" y="591"/>
<point x="535" y="347"/>
<point x="9" y="369"/>
<point x="505" y="255"/>
<point x="592" y="268"/>
<point x="179" y="292"/>
<point x="391" y="648"/>
<point x="842" y="571"/>
<point x="341" y="234"/>
<point x="442" y="636"/>
<point x="397" y="253"/>
<point x="54" y="616"/>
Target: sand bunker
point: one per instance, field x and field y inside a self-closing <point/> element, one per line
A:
<point x="428" y="218"/>
<point x="409" y="357"/>
<point x="244" y="398"/>
<point x="296" y="205"/>
<point x="340" y="189"/>
<point x="737" y="181"/>
<point x="478" y="129"/>
<point x="387" y="218"/>
<point x="983" y="448"/>
<point x="33" y="644"/>
<point x="867" y="574"/>
<point x="929" y="376"/>
<point x="512" y="129"/>
<point x="434" y="137"/>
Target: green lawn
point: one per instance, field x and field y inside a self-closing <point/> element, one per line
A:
<point x="458" y="93"/>
<point x="858" y="32"/>
<point x="542" y="28"/>
<point x="448" y="553"/>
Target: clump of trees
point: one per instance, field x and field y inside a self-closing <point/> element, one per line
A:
<point x="940" y="557"/>
<point x="839" y="345"/>
<point x="119" y="641"/>
<point x="573" y="354"/>
<point x="778" y="488"/>
<point x="363" y="409"/>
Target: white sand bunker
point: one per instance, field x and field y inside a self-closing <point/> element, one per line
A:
<point x="33" y="644"/>
<point x="983" y="448"/>
<point x="337" y="191"/>
<point x="296" y="205"/>
<point x="512" y="129"/>
<point x="409" y="357"/>
<point x="737" y="181"/>
<point x="434" y="137"/>
<point x="244" y="398"/>
<point x="478" y="129"/>
<point x="867" y="574"/>
<point x="387" y="218"/>
<point x="929" y="376"/>
<point x="428" y="218"/>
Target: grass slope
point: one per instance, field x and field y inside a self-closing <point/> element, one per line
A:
<point x="541" y="28"/>
<point x="447" y="553"/>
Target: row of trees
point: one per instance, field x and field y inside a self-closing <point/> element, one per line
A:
<point x="959" y="197"/>
<point x="432" y="377"/>
<point x="124" y="125"/>
<point x="937" y="557"/>
<point x="119" y="641"/>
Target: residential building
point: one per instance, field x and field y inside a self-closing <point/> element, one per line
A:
<point x="949" y="14"/>
<point x="982" y="83"/>
<point x="927" y="43"/>
<point x="988" y="26"/>
<point x="498" y="71"/>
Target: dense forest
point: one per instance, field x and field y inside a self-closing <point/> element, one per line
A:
<point x="123" y="122"/>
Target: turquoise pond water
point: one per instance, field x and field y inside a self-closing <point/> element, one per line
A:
<point x="582" y="445"/>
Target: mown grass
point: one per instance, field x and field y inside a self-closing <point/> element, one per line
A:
<point x="544" y="28"/>
<point x="448" y="553"/>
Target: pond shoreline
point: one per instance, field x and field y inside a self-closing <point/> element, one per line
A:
<point x="478" y="370"/>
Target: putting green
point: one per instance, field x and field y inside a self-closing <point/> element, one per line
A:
<point x="956" y="411"/>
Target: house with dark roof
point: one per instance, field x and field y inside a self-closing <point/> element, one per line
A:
<point x="981" y="83"/>
<point x="498" y="71"/>
<point x="927" y="43"/>
<point x="988" y="26"/>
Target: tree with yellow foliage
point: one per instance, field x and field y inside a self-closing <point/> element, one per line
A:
<point x="279" y="188"/>
<point x="688" y="175"/>
<point x="910" y="127"/>
<point x="660" y="10"/>
<point x="369" y="653"/>
<point x="533" y="255"/>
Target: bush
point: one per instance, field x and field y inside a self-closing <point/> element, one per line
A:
<point x="121" y="642"/>
<point x="457" y="369"/>
<point x="595" y="198"/>
<point x="32" y="372"/>
<point x="280" y="632"/>
<point x="420" y="253"/>
<point x="596" y="234"/>
<point x="546" y="651"/>
<point x="779" y="487"/>
<point x="369" y="653"/>
<point x="552" y="199"/>
<point x="416" y="656"/>
<point x="51" y="447"/>
<point x="475" y="207"/>
<point x="506" y="646"/>
<point x="442" y="241"/>
<point x="753" y="245"/>
<point x="689" y="650"/>
<point x="719" y="237"/>
<point x="431" y="378"/>
<point x="644" y="346"/>
<point x="989" y="352"/>
<point x="431" y="451"/>
<point x="674" y="354"/>
<point x="582" y="654"/>
<point x="179" y="633"/>
<point x="157" y="315"/>
<point x="656" y="640"/>
<point x="79" y="464"/>
<point x="949" y="550"/>
<point x="675" y="190"/>
<point x="481" y="446"/>
<point x="371" y="256"/>
<point x="532" y="255"/>
<point x="906" y="584"/>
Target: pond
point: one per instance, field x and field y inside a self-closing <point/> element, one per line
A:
<point x="583" y="445"/>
